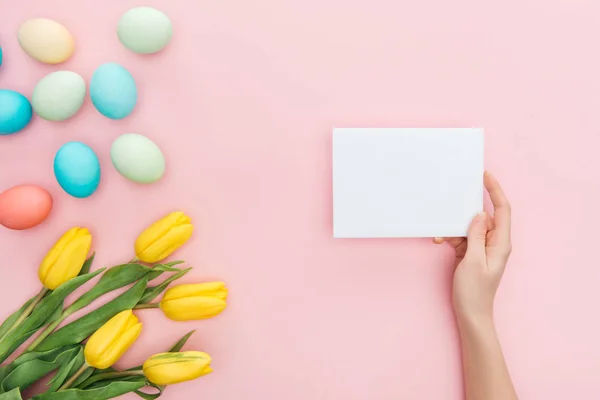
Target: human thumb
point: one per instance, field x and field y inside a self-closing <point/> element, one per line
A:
<point x="476" y="236"/>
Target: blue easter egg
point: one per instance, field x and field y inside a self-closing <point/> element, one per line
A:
<point x="113" y="91"/>
<point x="15" y="111"/>
<point x="0" y="55"/>
<point x="77" y="169"/>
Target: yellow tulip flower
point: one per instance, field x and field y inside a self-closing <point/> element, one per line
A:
<point x="163" y="237"/>
<point x="171" y="368"/>
<point x="66" y="258"/>
<point x="111" y="341"/>
<point x="194" y="301"/>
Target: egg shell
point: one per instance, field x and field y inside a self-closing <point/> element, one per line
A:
<point x="144" y="30"/>
<point x="77" y="169"/>
<point x="59" y="95"/>
<point x="46" y="40"/>
<point x="24" y="206"/>
<point x="15" y="112"/>
<point x="137" y="158"/>
<point x="113" y="91"/>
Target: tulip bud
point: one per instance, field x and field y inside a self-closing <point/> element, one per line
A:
<point x="163" y="237"/>
<point x="171" y="368"/>
<point x="194" y="301"/>
<point x="66" y="258"/>
<point x="111" y="341"/>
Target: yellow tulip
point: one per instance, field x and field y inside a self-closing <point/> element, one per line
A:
<point x="111" y="341"/>
<point x="171" y="368"/>
<point x="194" y="301"/>
<point x="66" y="258"/>
<point x="163" y="237"/>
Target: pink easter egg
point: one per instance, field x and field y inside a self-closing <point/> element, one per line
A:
<point x="24" y="206"/>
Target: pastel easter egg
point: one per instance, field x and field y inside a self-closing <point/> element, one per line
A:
<point x="25" y="206"/>
<point x="15" y="111"/>
<point x="144" y="30"/>
<point x="137" y="158"/>
<point x="0" y="55"/>
<point x="77" y="169"/>
<point x="59" y="95"/>
<point x="46" y="40"/>
<point x="113" y="91"/>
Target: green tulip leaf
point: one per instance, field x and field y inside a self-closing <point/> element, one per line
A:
<point x="153" y="292"/>
<point x="41" y="313"/>
<point x="179" y="345"/>
<point x="26" y="373"/>
<point x="102" y="391"/>
<point x="80" y="329"/>
<point x="171" y="264"/>
<point x="66" y="370"/>
<point x="14" y="394"/>
<point x="34" y="355"/>
<point x="87" y="265"/>
<point x="114" y="278"/>
<point x="150" y="396"/>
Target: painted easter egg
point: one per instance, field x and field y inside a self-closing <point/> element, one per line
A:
<point x="113" y="91"/>
<point x="77" y="169"/>
<point x="15" y="111"/>
<point x="25" y="206"/>
<point x="58" y="96"/>
<point x="0" y="55"/>
<point x="137" y="158"/>
<point x="144" y="30"/>
<point x="46" y="40"/>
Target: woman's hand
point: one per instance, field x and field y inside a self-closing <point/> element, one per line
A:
<point x="480" y="262"/>
<point x="481" y="257"/>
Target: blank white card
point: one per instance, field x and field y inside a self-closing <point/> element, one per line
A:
<point x="406" y="182"/>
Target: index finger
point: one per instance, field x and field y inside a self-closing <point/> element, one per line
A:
<point x="502" y="211"/>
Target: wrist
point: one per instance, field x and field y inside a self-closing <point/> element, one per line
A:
<point x="475" y="323"/>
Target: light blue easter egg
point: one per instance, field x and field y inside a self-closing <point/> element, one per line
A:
<point x="77" y="169"/>
<point x="113" y="91"/>
<point x="15" y="112"/>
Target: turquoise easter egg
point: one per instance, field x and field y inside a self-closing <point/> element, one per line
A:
<point x="77" y="169"/>
<point x="144" y="30"/>
<point x="15" y="111"/>
<point x="0" y="55"/>
<point x="58" y="96"/>
<point x="137" y="158"/>
<point x="113" y="91"/>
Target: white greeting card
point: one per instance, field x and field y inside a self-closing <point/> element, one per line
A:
<point x="402" y="182"/>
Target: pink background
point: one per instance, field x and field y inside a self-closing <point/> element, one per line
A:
<point x="242" y="103"/>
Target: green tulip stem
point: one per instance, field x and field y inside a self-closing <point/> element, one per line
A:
<point x="75" y="376"/>
<point x="27" y="312"/>
<point x="147" y="305"/>
<point x="108" y="375"/>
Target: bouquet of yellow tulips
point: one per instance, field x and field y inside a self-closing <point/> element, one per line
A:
<point x="81" y="354"/>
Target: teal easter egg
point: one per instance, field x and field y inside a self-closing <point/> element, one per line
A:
<point x="77" y="169"/>
<point x="113" y="91"/>
<point x="15" y="112"/>
<point x="0" y="55"/>
<point x="58" y="96"/>
<point x="137" y="158"/>
<point x="144" y="30"/>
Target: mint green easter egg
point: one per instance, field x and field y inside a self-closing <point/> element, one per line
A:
<point x="144" y="30"/>
<point x="137" y="158"/>
<point x="58" y="96"/>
